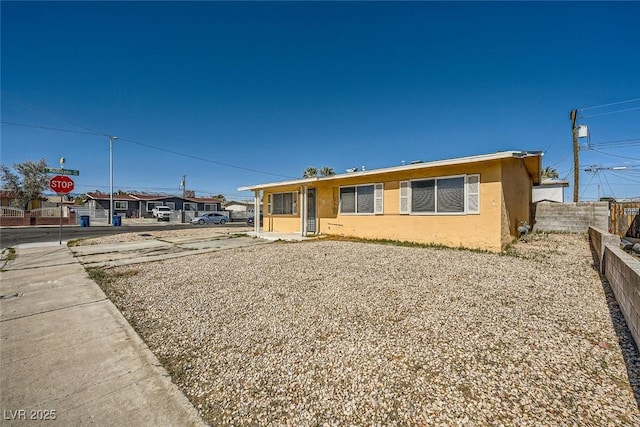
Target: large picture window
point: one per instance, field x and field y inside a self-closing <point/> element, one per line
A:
<point x="282" y="203"/>
<point x="447" y="195"/>
<point x="362" y="199"/>
<point x="120" y="205"/>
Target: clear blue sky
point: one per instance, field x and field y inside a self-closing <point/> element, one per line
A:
<point x="278" y="87"/>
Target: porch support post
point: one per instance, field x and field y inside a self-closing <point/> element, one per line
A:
<point x="303" y="210"/>
<point x="256" y="212"/>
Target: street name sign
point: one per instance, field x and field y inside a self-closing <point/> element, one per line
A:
<point x="62" y="171"/>
<point x="61" y="184"/>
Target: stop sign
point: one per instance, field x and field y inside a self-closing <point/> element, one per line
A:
<point x="61" y="184"/>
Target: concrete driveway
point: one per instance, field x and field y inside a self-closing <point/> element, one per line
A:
<point x="155" y="249"/>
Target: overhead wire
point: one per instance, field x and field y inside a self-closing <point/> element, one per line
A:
<point x="587" y="186"/>
<point x="614" y="155"/>
<point x="609" y="185"/>
<point x="57" y="116"/>
<point x="609" y="112"/>
<point x="50" y="128"/>
<point x="99" y="133"/>
<point x="609" y="105"/>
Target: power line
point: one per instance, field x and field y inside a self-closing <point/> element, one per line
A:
<point x="608" y="105"/>
<point x="98" y="133"/>
<point x="203" y="159"/>
<point x="610" y="112"/>
<point x="613" y="155"/>
<point x="50" y="128"/>
<point x="619" y="175"/>
<point x="33" y="107"/>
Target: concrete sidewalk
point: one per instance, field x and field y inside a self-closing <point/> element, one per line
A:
<point x="67" y="353"/>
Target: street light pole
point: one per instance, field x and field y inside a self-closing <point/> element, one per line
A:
<point x="111" y="139"/>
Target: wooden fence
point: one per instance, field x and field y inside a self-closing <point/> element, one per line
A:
<point x="625" y="219"/>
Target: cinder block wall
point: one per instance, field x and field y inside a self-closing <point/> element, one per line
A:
<point x="599" y="239"/>
<point x="623" y="274"/>
<point x="571" y="217"/>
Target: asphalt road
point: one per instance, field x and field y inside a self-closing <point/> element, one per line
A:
<point x="20" y="235"/>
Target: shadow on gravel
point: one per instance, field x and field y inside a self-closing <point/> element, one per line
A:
<point x="625" y="339"/>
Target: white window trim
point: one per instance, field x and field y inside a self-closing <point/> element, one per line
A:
<point x="210" y="205"/>
<point x="190" y="204"/>
<point x="115" y="205"/>
<point x="468" y="193"/>
<point x="294" y="203"/>
<point x="153" y="205"/>
<point x="378" y="196"/>
<point x="436" y="178"/>
<point x="375" y="185"/>
<point x="407" y="197"/>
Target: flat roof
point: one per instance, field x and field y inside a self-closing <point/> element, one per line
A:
<point x="413" y="166"/>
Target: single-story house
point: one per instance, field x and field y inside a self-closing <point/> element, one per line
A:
<point x="238" y="206"/>
<point x="141" y="205"/>
<point x="474" y="202"/>
<point x="8" y="199"/>
<point x="551" y="190"/>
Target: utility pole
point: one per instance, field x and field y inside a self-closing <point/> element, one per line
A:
<point x="111" y="139"/>
<point x="576" y="162"/>
<point x="183" y="184"/>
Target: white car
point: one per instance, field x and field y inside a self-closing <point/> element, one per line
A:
<point x="163" y="213"/>
<point x="211" y="218"/>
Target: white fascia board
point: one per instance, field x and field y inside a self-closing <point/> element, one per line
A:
<point x="424" y="165"/>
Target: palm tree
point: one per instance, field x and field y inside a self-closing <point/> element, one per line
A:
<point x="550" y="173"/>
<point x="310" y="172"/>
<point x="327" y="171"/>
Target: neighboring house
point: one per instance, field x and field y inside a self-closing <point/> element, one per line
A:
<point x="238" y="206"/>
<point x="549" y="190"/>
<point x="141" y="205"/>
<point x="475" y="202"/>
<point x="7" y="198"/>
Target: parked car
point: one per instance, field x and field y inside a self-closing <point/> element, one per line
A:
<point x="252" y="218"/>
<point x="163" y="213"/>
<point x="211" y="218"/>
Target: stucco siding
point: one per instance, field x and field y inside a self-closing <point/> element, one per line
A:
<point x="473" y="231"/>
<point x="516" y="189"/>
<point x="504" y="191"/>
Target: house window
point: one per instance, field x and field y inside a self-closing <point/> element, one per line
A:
<point x="211" y="207"/>
<point x="190" y="206"/>
<point x="282" y="203"/>
<point x="122" y="205"/>
<point x="151" y="205"/>
<point x="362" y="199"/>
<point x="172" y="205"/>
<point x="447" y="195"/>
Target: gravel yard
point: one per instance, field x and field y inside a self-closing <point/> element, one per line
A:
<point x="347" y="333"/>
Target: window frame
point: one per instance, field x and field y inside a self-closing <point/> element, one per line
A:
<point x="294" y="203"/>
<point x="466" y="180"/>
<point x="378" y="199"/>
<point x="120" y="208"/>
<point x="152" y="204"/>
<point x="193" y="207"/>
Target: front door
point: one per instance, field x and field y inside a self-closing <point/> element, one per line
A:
<point x="311" y="210"/>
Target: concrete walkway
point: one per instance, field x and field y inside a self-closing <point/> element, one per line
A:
<point x="67" y="353"/>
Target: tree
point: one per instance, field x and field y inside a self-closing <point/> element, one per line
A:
<point x="221" y="197"/>
<point x="550" y="173"/>
<point x="28" y="183"/>
<point x="310" y="172"/>
<point x="327" y="171"/>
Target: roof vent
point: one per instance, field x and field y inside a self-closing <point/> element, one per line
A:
<point x="351" y="170"/>
<point x="415" y="162"/>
